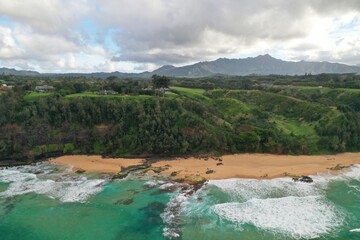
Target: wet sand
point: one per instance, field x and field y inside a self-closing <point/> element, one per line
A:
<point x="96" y="163"/>
<point x="231" y="166"/>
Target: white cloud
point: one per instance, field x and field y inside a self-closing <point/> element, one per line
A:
<point x="49" y="35"/>
<point x="8" y="46"/>
<point x="46" y="35"/>
<point x="171" y="31"/>
<point x="45" y="16"/>
<point x="334" y="39"/>
<point x="40" y="46"/>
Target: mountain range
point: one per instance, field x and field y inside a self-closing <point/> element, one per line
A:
<point x="260" y="65"/>
<point x="12" y="71"/>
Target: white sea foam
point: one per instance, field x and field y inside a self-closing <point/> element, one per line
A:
<point x="280" y="205"/>
<point x="355" y="230"/>
<point x="171" y="214"/>
<point x="298" y="217"/>
<point x="170" y="233"/>
<point x="65" y="188"/>
<point x="353" y="173"/>
<point x="151" y="183"/>
<point x="167" y="185"/>
<point x="246" y="189"/>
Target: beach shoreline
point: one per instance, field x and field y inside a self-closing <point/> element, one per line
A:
<point x="256" y="166"/>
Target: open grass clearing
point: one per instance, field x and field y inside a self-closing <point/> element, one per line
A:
<point x="230" y="107"/>
<point x="192" y="92"/>
<point x="293" y="126"/>
<point x="35" y="96"/>
<point x="114" y="96"/>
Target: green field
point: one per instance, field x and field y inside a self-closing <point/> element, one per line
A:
<point x="325" y="89"/>
<point x="35" y="96"/>
<point x="230" y="107"/>
<point x="115" y="96"/>
<point x="297" y="128"/>
<point x="191" y="92"/>
<point x="171" y="94"/>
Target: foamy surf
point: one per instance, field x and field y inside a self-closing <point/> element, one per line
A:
<point x="66" y="188"/>
<point x="171" y="215"/>
<point x="246" y="189"/>
<point x="298" y="217"/>
<point x="355" y="230"/>
<point x="232" y="208"/>
<point x="281" y="206"/>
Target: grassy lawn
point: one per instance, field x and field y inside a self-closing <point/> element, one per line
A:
<point x="293" y="126"/>
<point x="230" y="107"/>
<point x="353" y="90"/>
<point x="191" y="92"/>
<point x="90" y="94"/>
<point x="324" y="89"/>
<point x="171" y="95"/>
<point x="307" y="87"/>
<point x="34" y="96"/>
<point x="96" y="95"/>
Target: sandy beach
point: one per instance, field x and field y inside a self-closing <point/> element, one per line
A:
<point x="260" y="165"/>
<point x="230" y="166"/>
<point x="96" y="163"/>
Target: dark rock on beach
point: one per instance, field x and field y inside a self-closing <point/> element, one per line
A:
<point x="120" y="175"/>
<point x="305" y="179"/>
<point x="209" y="171"/>
<point x="338" y="167"/>
<point x="80" y="171"/>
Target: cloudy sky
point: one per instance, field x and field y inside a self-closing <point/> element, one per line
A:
<point x="140" y="35"/>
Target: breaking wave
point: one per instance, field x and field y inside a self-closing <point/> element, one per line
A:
<point x="281" y="206"/>
<point x="299" y="217"/>
<point x="43" y="179"/>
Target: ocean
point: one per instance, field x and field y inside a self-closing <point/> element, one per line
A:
<point x="45" y="202"/>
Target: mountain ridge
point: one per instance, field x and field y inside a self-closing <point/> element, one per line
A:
<point x="260" y="65"/>
<point x="13" y="71"/>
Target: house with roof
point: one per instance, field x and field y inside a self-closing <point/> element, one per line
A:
<point x="44" y="88"/>
<point x="5" y="87"/>
<point x="107" y="92"/>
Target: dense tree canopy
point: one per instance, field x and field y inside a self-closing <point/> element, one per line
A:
<point x="160" y="84"/>
<point x="228" y="115"/>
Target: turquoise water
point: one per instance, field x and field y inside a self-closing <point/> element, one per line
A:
<point x="44" y="202"/>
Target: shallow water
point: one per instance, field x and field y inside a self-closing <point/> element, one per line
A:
<point x="45" y="202"/>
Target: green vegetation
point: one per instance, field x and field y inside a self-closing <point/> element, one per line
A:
<point x="230" y="107"/>
<point x="96" y="95"/>
<point x="290" y="126"/>
<point x="190" y="92"/>
<point x="34" y="96"/>
<point x="212" y="115"/>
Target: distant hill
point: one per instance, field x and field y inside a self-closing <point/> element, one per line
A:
<point x="94" y="75"/>
<point x="260" y="65"/>
<point x="12" y="71"/>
